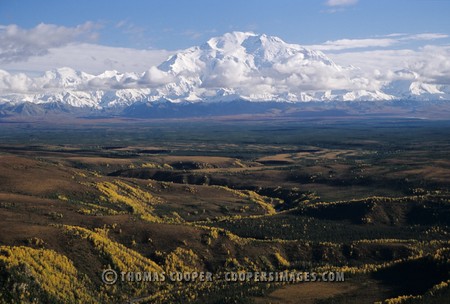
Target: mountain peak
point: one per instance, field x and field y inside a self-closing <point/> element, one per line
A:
<point x="244" y="49"/>
<point x="248" y="40"/>
<point x="232" y="38"/>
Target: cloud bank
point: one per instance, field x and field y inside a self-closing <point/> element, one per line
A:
<point x="90" y="58"/>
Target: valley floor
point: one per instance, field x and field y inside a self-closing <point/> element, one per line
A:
<point x="369" y="199"/>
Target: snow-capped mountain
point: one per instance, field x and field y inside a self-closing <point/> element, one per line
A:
<point x="235" y="66"/>
<point x="408" y="85"/>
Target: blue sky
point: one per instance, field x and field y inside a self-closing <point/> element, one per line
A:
<point x="134" y="35"/>
<point x="172" y="25"/>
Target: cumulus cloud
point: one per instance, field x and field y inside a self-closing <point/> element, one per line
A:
<point x="293" y="75"/>
<point x="19" y="44"/>
<point x="227" y="73"/>
<point x="64" y="79"/>
<point x="334" y="3"/>
<point x="433" y="64"/>
<point x="154" y="77"/>
<point x="429" y="63"/>
<point x="16" y="83"/>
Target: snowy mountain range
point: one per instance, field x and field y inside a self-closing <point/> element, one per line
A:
<point x="235" y="66"/>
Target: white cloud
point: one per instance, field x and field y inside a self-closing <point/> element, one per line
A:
<point x="381" y="42"/>
<point x="16" y="83"/>
<point x="341" y="2"/>
<point x="376" y="59"/>
<point x="48" y="46"/>
<point x="154" y="77"/>
<point x="433" y="64"/>
<point x="227" y="73"/>
<point x="430" y="63"/>
<point x="343" y="44"/>
<point x="91" y="58"/>
<point x="426" y="36"/>
<point x="18" y="44"/>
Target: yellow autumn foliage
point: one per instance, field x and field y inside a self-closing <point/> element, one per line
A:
<point x="123" y="258"/>
<point x="182" y="260"/>
<point x="133" y="197"/>
<point x="53" y="273"/>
